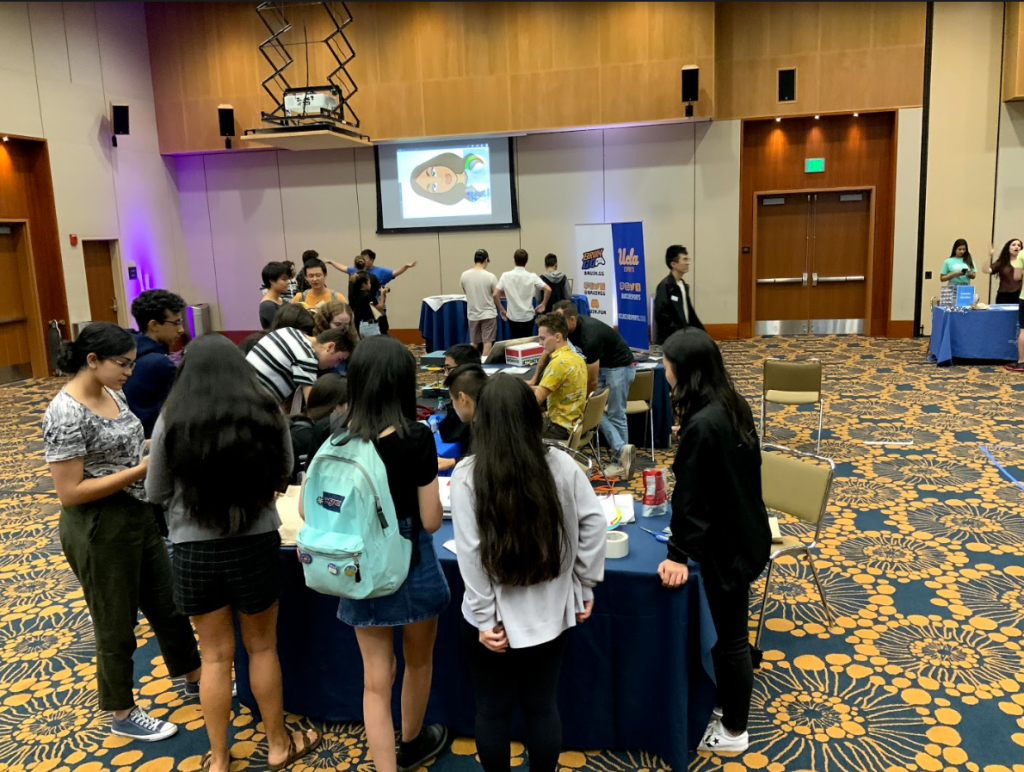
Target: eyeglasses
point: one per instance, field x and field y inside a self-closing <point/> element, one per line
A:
<point x="176" y="322"/>
<point x="123" y="363"/>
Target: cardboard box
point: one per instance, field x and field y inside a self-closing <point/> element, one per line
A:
<point x="523" y="354"/>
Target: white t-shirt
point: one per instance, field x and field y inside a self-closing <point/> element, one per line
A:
<point x="479" y="288"/>
<point x="518" y="286"/>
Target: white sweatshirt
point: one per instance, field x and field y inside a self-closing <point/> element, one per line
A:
<point x="539" y="613"/>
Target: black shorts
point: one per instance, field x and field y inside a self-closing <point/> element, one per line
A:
<point x="1020" y="314"/>
<point x="243" y="573"/>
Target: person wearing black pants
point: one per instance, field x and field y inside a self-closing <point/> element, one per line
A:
<point x="530" y="540"/>
<point x="535" y="671"/>
<point x="719" y="519"/>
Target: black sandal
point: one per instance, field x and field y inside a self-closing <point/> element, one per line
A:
<point x="294" y="754"/>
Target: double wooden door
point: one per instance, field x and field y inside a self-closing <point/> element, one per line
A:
<point x="812" y="262"/>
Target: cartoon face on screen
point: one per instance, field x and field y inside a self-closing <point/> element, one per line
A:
<point x="449" y="178"/>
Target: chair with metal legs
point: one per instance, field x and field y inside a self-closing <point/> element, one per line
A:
<point x="796" y="484"/>
<point x="585" y="432"/>
<point x="796" y="382"/>
<point x="640" y="399"/>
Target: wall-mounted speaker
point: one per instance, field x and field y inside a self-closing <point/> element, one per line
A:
<point x="691" y="83"/>
<point x="226" y="116"/>
<point x="787" y="85"/>
<point x="119" y="118"/>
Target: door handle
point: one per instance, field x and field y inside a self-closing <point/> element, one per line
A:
<point x="790" y="280"/>
<point x="804" y="279"/>
<point x="814" y="282"/>
<point x="837" y="279"/>
<point x="113" y="304"/>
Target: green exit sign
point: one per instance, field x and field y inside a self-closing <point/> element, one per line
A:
<point x="812" y="165"/>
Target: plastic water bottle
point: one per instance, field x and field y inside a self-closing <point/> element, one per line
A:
<point x="439" y="414"/>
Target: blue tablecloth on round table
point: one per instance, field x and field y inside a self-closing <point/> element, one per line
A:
<point x="637" y="675"/>
<point x="449" y="325"/>
<point x="989" y="334"/>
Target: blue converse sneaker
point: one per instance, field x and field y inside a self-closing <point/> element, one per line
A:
<point x="139" y="725"/>
<point x="192" y="688"/>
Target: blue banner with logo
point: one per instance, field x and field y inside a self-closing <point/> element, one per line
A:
<point x="630" y="283"/>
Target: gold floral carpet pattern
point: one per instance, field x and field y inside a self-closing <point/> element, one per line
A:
<point x="922" y="560"/>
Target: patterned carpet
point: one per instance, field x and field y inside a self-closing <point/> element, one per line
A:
<point x="923" y="562"/>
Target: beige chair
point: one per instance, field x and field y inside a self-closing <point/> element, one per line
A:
<point x="640" y="399"/>
<point x="585" y="433"/>
<point x="585" y="464"/>
<point x="796" y="382"/>
<point x="796" y="484"/>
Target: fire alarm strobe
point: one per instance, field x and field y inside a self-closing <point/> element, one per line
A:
<point x="74" y="239"/>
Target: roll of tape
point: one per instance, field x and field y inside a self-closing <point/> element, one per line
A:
<point x="618" y="545"/>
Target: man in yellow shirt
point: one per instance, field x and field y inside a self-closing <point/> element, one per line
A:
<point x="316" y="275"/>
<point x="564" y="383"/>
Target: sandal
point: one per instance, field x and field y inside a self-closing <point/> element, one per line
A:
<point x="207" y="762"/>
<point x="294" y="754"/>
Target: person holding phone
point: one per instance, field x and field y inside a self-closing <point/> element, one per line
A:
<point x="958" y="268"/>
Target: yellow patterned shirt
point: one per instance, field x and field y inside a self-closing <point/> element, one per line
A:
<point x="566" y="378"/>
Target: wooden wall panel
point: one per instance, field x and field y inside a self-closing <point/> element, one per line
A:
<point x="857" y="152"/>
<point x="849" y="57"/>
<point x="26" y="193"/>
<point x="434" y="69"/>
<point x="1013" y="57"/>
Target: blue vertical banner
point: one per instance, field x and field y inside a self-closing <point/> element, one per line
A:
<point x="630" y="283"/>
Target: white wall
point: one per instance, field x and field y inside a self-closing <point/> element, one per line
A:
<point x="962" y="136"/>
<point x="238" y="211"/>
<point x="908" y="200"/>
<point x="61" y="66"/>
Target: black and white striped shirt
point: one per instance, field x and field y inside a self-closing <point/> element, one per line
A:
<point x="284" y="361"/>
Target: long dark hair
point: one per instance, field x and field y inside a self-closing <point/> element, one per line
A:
<point x="103" y="339"/>
<point x="701" y="380"/>
<point x="523" y="539"/>
<point x="223" y="435"/>
<point x="329" y="391"/>
<point x="381" y="387"/>
<point x="967" y="252"/>
<point x="1004" y="256"/>
<point x="293" y="315"/>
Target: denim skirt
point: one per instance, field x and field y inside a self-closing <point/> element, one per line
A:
<point x="423" y="595"/>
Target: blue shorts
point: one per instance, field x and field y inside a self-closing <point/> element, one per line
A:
<point x="424" y="594"/>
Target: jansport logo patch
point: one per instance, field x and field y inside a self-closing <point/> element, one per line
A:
<point x="330" y="501"/>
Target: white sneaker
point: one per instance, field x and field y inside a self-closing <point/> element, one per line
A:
<point x="627" y="459"/>
<point x="718" y="740"/>
<point x="614" y="470"/>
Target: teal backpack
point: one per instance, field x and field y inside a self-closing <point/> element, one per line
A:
<point x="350" y="545"/>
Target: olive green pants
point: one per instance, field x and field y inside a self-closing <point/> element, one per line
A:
<point x="116" y="552"/>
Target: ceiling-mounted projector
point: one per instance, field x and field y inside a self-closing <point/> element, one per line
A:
<point x="311" y="100"/>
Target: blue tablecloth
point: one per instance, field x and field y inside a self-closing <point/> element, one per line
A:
<point x="989" y="334"/>
<point x="637" y="675"/>
<point x="449" y="325"/>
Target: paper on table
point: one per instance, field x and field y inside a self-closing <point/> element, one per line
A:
<point x="436" y="301"/>
<point x="515" y="370"/>
<point x="618" y="507"/>
<point x="647" y="365"/>
<point x="450" y="546"/>
<point x="444" y="488"/>
<point x="288" y="511"/>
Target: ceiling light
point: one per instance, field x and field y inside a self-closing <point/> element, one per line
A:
<point x="856" y="115"/>
<point x="778" y="120"/>
<point x="817" y="117"/>
<point x="6" y="139"/>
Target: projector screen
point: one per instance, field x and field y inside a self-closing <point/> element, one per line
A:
<point x="461" y="185"/>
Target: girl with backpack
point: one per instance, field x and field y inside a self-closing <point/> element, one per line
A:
<point x="95" y="447"/>
<point x="530" y="538"/>
<point x="220" y="452"/>
<point x="382" y="411"/>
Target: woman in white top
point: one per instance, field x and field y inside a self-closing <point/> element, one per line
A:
<point x="530" y="539"/>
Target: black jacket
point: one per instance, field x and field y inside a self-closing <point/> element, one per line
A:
<point x="151" y="380"/>
<point x="668" y="309"/>
<point x="718" y="515"/>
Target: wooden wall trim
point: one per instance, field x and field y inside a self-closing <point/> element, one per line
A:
<point x="900" y="329"/>
<point x="722" y="331"/>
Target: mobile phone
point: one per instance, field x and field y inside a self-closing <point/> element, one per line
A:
<point x="965" y="270"/>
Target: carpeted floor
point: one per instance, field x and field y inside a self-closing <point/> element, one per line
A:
<point x="923" y="562"/>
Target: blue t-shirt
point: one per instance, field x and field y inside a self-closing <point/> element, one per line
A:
<point x="955" y="265"/>
<point x="384" y="275"/>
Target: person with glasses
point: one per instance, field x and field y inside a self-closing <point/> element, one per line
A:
<point x="95" y="449"/>
<point x="158" y="315"/>
<point x="673" y="304"/>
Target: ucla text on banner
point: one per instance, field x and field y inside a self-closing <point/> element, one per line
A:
<point x="630" y="283"/>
